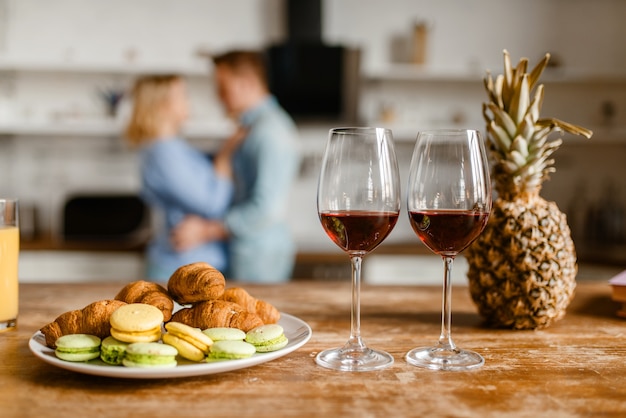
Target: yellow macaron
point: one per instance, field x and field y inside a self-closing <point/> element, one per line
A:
<point x="136" y="322"/>
<point x="190" y="342"/>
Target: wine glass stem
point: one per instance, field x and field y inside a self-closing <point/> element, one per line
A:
<point x="355" y="342"/>
<point x="445" y="339"/>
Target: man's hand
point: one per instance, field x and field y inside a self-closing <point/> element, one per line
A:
<point x="222" y="162"/>
<point x="194" y="230"/>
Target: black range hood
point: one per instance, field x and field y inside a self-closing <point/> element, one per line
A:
<point x="304" y="21"/>
<point x="311" y="80"/>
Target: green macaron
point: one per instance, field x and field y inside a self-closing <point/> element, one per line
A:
<point x="148" y="355"/>
<point x="225" y="334"/>
<point x="112" y="351"/>
<point x="230" y="350"/>
<point x="77" y="347"/>
<point x="270" y="337"/>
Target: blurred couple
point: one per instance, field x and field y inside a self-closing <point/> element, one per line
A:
<point x="228" y="211"/>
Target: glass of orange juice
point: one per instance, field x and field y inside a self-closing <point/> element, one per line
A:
<point x="9" y="250"/>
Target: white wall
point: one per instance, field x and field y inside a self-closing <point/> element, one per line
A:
<point x="586" y="35"/>
<point x="135" y="31"/>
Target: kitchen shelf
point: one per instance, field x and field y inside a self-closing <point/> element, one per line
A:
<point x="616" y="135"/>
<point x="414" y="73"/>
<point x="105" y="128"/>
<point x="391" y="72"/>
<point x="410" y="72"/>
<point x="200" y="69"/>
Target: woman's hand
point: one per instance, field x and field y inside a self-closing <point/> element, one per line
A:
<point x="194" y="230"/>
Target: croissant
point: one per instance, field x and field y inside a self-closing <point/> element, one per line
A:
<point x="196" y="282"/>
<point x="148" y="292"/>
<point x="217" y="313"/>
<point x="92" y="319"/>
<point x="267" y="312"/>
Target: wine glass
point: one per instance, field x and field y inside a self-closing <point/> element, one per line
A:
<point x="449" y="200"/>
<point x="358" y="201"/>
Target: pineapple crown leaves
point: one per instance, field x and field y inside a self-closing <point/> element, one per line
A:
<point x="518" y="136"/>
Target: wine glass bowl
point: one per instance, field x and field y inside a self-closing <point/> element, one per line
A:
<point x="448" y="201"/>
<point x="358" y="231"/>
<point x="358" y="202"/>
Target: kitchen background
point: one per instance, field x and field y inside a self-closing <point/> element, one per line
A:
<point x="421" y="66"/>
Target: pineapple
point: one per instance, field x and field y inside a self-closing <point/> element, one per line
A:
<point x="522" y="268"/>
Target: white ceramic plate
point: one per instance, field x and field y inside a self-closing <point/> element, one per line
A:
<point x="297" y="331"/>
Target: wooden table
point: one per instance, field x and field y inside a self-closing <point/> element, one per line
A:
<point x="575" y="368"/>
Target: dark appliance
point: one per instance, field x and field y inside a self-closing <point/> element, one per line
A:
<point x="111" y="218"/>
<point x="311" y="80"/>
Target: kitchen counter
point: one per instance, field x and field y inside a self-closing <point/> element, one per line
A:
<point x="49" y="243"/>
<point x="575" y="368"/>
<point x="50" y="259"/>
<point x="46" y="242"/>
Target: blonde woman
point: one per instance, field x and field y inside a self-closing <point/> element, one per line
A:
<point x="177" y="179"/>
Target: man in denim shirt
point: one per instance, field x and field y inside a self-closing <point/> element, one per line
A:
<point x="261" y="248"/>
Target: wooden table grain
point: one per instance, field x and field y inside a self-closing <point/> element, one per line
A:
<point x="576" y="368"/>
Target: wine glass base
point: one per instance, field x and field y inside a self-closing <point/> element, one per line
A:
<point x="437" y="358"/>
<point x="351" y="360"/>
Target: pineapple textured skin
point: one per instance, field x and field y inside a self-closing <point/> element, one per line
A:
<point x="523" y="266"/>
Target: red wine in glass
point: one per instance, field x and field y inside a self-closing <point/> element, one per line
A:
<point x="449" y="201"/>
<point x="358" y="202"/>
<point x="448" y="232"/>
<point x="356" y="230"/>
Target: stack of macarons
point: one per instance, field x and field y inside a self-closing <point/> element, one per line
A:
<point x="231" y="343"/>
<point x="140" y="354"/>
<point x="136" y="340"/>
<point x="218" y="344"/>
